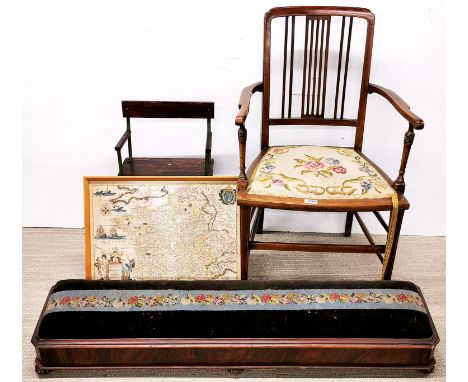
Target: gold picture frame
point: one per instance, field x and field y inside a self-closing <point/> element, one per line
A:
<point x="161" y="227"/>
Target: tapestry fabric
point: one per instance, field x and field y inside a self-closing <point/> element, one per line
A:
<point x="318" y="172"/>
<point x="241" y="299"/>
<point x="234" y="309"/>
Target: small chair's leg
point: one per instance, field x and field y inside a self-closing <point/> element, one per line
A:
<point x="261" y="211"/>
<point x="244" y="240"/>
<point x="209" y="136"/>
<point x="119" y="159"/>
<point x="348" y="224"/>
<point x="387" y="274"/>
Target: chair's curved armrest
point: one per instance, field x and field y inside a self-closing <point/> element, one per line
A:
<point x="244" y="101"/>
<point x="122" y="141"/>
<point x="401" y="106"/>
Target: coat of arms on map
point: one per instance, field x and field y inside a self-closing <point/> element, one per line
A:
<point x="184" y="228"/>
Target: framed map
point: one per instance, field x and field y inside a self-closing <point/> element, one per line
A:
<point x="171" y="228"/>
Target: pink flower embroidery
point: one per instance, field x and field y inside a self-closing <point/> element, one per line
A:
<point x="65" y="300"/>
<point x="334" y="296"/>
<point x="200" y="298"/>
<point x="278" y="150"/>
<point x="266" y="298"/>
<point x="339" y="169"/>
<point x="313" y="165"/>
<point x="402" y="297"/>
<point x="218" y="301"/>
<point x="277" y="182"/>
<point x="132" y="300"/>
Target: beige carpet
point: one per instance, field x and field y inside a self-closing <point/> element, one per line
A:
<point x="50" y="254"/>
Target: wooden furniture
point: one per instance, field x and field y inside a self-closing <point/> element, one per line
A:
<point x="234" y="324"/>
<point x="137" y="166"/>
<point x="316" y="179"/>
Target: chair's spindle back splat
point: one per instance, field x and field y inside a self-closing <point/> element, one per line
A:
<point x="309" y="59"/>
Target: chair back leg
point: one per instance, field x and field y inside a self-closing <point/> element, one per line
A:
<point x="261" y="218"/>
<point x="348" y="224"/>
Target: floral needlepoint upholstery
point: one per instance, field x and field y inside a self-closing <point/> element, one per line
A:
<point x="319" y="172"/>
<point x="90" y="309"/>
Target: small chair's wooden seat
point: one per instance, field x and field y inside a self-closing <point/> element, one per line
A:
<point x="166" y="167"/>
<point x="234" y="324"/>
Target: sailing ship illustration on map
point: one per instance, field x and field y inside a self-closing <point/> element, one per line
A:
<point x="113" y="234"/>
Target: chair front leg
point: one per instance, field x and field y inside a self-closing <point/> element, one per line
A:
<point x="244" y="240"/>
<point x="389" y="261"/>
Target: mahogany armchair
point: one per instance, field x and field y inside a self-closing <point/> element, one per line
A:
<point x="138" y="166"/>
<point x="318" y="178"/>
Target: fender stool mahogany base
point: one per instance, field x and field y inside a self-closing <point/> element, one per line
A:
<point x="89" y="324"/>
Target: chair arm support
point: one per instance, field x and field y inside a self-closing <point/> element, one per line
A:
<point x="244" y="104"/>
<point x="244" y="101"/>
<point x="415" y="122"/>
<point x="401" y="106"/>
<point x="122" y="141"/>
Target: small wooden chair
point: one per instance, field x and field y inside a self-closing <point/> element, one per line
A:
<point x="318" y="178"/>
<point x="137" y="166"/>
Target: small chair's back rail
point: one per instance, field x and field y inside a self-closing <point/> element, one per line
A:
<point x="167" y="109"/>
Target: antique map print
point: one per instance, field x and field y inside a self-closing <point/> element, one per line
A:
<point x="163" y="229"/>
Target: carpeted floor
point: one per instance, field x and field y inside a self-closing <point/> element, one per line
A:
<point x="50" y="254"/>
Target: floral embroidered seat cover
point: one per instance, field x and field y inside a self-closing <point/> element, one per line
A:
<point x="319" y="172"/>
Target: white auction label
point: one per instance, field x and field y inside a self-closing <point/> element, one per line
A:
<point x="310" y="201"/>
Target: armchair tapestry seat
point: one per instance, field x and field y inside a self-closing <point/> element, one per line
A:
<point x="316" y="71"/>
<point x="317" y="172"/>
<point x="90" y="323"/>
